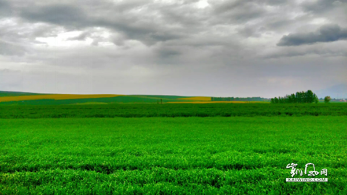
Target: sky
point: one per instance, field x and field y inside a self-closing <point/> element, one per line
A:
<point x="225" y="48"/>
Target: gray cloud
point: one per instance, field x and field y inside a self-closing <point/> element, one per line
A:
<point x="186" y="47"/>
<point x="73" y="17"/>
<point x="320" y="6"/>
<point x="323" y="52"/>
<point x="56" y="14"/>
<point x="5" y="8"/>
<point x="238" y="11"/>
<point x="326" y="33"/>
<point x="82" y="36"/>
<point x="10" y="49"/>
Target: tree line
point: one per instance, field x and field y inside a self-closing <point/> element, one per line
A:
<point x="298" y="97"/>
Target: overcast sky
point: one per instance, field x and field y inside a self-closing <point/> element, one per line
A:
<point x="179" y="47"/>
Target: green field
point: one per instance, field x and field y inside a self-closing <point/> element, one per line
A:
<point x="12" y="93"/>
<point x="172" y="110"/>
<point x="171" y="148"/>
<point x="170" y="155"/>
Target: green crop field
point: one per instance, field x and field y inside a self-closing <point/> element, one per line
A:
<point x="172" y="110"/>
<point x="14" y="94"/>
<point x="171" y="149"/>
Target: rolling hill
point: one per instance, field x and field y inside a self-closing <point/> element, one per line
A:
<point x="25" y="98"/>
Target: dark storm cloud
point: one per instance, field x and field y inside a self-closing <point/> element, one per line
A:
<point x="326" y="33"/>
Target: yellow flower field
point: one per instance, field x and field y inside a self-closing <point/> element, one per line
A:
<point x="55" y="97"/>
<point x="197" y="98"/>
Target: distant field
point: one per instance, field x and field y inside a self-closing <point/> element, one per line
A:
<point x="172" y="110"/>
<point x="238" y="155"/>
<point x="19" y="98"/>
<point x="12" y="94"/>
<point x="218" y="102"/>
<point x="197" y="98"/>
<point x="65" y="99"/>
<point x="52" y="97"/>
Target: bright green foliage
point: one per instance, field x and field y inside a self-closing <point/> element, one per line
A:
<point x="172" y="110"/>
<point x="237" y="155"/>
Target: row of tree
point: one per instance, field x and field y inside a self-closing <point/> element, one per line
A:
<point x="298" y="97"/>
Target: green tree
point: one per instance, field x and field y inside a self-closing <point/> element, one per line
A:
<point x="315" y="98"/>
<point x="276" y="100"/>
<point x="309" y="96"/>
<point x="294" y="100"/>
<point x="327" y="99"/>
<point x="298" y="97"/>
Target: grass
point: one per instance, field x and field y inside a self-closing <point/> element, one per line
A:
<point x="107" y="148"/>
<point x="171" y="110"/>
<point x="191" y="155"/>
